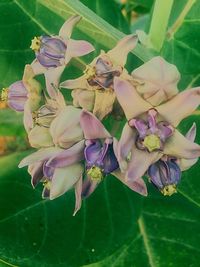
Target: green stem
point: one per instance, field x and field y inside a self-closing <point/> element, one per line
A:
<point x="159" y="22"/>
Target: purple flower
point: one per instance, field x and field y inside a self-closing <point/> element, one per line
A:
<point x="17" y="95"/>
<point x="151" y="130"/>
<point x="97" y="82"/>
<point x="54" y="51"/>
<point x="165" y="175"/>
<point x="100" y="159"/>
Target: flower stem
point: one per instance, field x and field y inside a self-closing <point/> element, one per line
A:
<point x="159" y="23"/>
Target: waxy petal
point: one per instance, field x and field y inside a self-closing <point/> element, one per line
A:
<point x="36" y="172"/>
<point x="78" y="191"/>
<point x="68" y="156"/>
<point x="92" y="127"/>
<point x="180" y="147"/>
<point x="41" y="155"/>
<point x="64" y="179"/>
<point x="83" y="98"/>
<point x="180" y="106"/>
<point x="65" y="128"/>
<point x="131" y="102"/>
<point x="119" y="53"/>
<point x="88" y="187"/>
<point x="52" y="78"/>
<point x="140" y="162"/>
<point x="79" y="83"/>
<point x="77" y="49"/>
<point x="67" y="28"/>
<point x="124" y="146"/>
<point x="40" y="137"/>
<point x="103" y="104"/>
<point x="157" y="80"/>
<point x="28" y="119"/>
<point x="138" y="185"/>
<point x="37" y="67"/>
<point x="185" y="164"/>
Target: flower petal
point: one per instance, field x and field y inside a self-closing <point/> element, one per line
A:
<point x="140" y="162"/>
<point x="124" y="146"/>
<point x="68" y="156"/>
<point x="79" y="83"/>
<point x="180" y="106"/>
<point x="119" y="53"/>
<point x="67" y="28"/>
<point x="36" y="172"/>
<point x="180" y="147"/>
<point x="65" y="128"/>
<point x="41" y="155"/>
<point x="77" y="49"/>
<point x="64" y="178"/>
<point x="103" y="104"/>
<point x="138" y="185"/>
<point x="52" y="78"/>
<point x="28" y="119"/>
<point x="78" y="191"/>
<point x="131" y="102"/>
<point x="37" y="67"/>
<point x="83" y="98"/>
<point x="40" y="137"/>
<point x="88" y="187"/>
<point x="92" y="127"/>
<point x="157" y="80"/>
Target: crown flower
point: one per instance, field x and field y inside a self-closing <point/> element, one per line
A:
<point x="95" y="88"/>
<point x="151" y="131"/>
<point x="76" y="148"/>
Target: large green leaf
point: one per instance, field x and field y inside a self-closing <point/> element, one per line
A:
<point x="35" y="232"/>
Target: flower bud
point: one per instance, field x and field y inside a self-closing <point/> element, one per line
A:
<point x="49" y="50"/>
<point x="165" y="175"/>
<point x="17" y="96"/>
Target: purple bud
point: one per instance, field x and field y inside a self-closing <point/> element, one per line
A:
<point x="51" y="52"/>
<point x="17" y="96"/>
<point x="165" y="175"/>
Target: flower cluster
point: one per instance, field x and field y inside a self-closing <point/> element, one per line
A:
<point x="74" y="149"/>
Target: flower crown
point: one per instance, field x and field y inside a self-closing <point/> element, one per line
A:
<point x="74" y="147"/>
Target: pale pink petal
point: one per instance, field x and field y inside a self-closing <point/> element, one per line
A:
<point x="191" y="134"/>
<point x="88" y="187"/>
<point x="180" y="147"/>
<point x="92" y="127"/>
<point x="103" y="104"/>
<point x="79" y="83"/>
<point x="157" y="80"/>
<point x="119" y="53"/>
<point x="52" y="78"/>
<point x="138" y="185"/>
<point x="124" y="146"/>
<point x="140" y="162"/>
<point x="78" y="192"/>
<point x="132" y="103"/>
<point x="40" y="137"/>
<point x="41" y="155"/>
<point x="64" y="179"/>
<point x="68" y="156"/>
<point x="77" y="48"/>
<point x="67" y="28"/>
<point x="180" y="106"/>
<point x="28" y="119"/>
<point x="83" y="98"/>
<point x="37" y="67"/>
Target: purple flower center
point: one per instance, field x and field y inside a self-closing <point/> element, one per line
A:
<point x="100" y="158"/>
<point x="151" y="134"/>
<point x="103" y="73"/>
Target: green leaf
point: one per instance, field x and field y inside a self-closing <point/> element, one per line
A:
<point x="11" y="123"/>
<point x="36" y="232"/>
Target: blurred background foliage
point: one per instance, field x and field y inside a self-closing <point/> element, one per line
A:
<point x="115" y="227"/>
